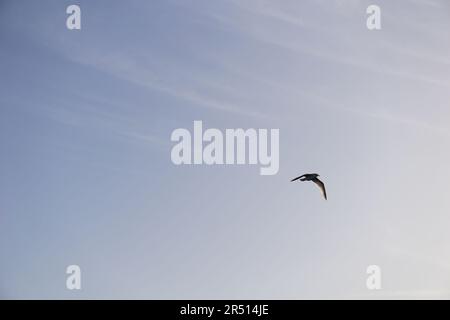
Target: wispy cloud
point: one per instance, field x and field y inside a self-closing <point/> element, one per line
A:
<point x="355" y="60"/>
<point x="103" y="121"/>
<point x="319" y="100"/>
<point x="130" y="70"/>
<point x="258" y="13"/>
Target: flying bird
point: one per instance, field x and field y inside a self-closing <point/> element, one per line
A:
<point x="313" y="177"/>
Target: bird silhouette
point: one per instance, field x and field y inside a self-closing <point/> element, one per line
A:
<point x="313" y="177"/>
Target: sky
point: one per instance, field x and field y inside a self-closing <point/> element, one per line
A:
<point x="86" y="176"/>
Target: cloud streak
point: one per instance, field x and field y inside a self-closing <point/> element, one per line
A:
<point x="130" y="70"/>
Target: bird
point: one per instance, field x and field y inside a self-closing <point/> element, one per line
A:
<point x="313" y="177"/>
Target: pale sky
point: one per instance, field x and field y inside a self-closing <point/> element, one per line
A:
<point x="86" y="176"/>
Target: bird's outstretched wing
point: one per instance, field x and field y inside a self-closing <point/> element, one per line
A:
<point x="321" y="185"/>
<point x="298" y="178"/>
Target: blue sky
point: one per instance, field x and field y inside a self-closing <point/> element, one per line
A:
<point x="86" y="176"/>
